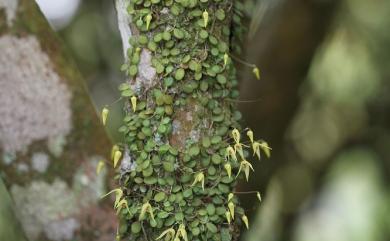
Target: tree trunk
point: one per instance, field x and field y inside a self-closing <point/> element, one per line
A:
<point x="283" y="49"/>
<point x="180" y="115"/>
<point x="9" y="225"/>
<point x="51" y="139"/>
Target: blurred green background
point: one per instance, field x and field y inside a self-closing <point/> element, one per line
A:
<point x="323" y="104"/>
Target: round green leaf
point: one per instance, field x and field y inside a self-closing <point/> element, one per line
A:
<point x="195" y="231"/>
<point x="133" y="70"/>
<point x="136" y="227"/>
<point x="179" y="75"/>
<point x="142" y="39"/>
<point x="159" y="197"/>
<point x="179" y="34"/>
<point x="194" y="151"/>
<point x="168" y="166"/>
<point x="162" y="129"/>
<point x="206" y="142"/>
<point x="220" y="14"/>
<point x="221" y="79"/>
<point x="216" y="140"/>
<point x="150" y="180"/>
<point x="166" y="36"/>
<point x="211" y="227"/>
<point x="187" y="193"/>
<point x="203" y="34"/>
<point x="157" y="38"/>
<point x="127" y="93"/>
<point x="210" y="209"/>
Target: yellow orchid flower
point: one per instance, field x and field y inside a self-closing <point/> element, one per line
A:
<point x="231" y="209"/>
<point x="256" y="149"/>
<point x="118" y="195"/>
<point x="236" y="135"/>
<point x="113" y="150"/>
<point x="133" y="100"/>
<point x="205" y="18"/>
<point x="169" y="233"/>
<point x="117" y="156"/>
<point x="120" y="204"/>
<point x="245" y="165"/>
<point x="258" y="196"/>
<point x="249" y="133"/>
<point x="230" y="196"/>
<point x="230" y="153"/>
<point x="199" y="178"/>
<point x="256" y="146"/>
<point x="228" y="217"/>
<point x="228" y="169"/>
<point x="105" y="112"/>
<point x="146" y="208"/>
<point x="238" y="148"/>
<point x="256" y="72"/>
<point x="225" y="59"/>
<point x="99" y="167"/>
<point x="266" y="149"/>
<point x="245" y="220"/>
<point x="148" y="19"/>
<point x="182" y="232"/>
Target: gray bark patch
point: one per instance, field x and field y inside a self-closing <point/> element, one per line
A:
<point x="35" y="102"/>
<point x="10" y="7"/>
<point x="40" y="162"/>
<point x="124" y="21"/>
<point x="146" y="71"/>
<point x="42" y="207"/>
<point x="56" y="210"/>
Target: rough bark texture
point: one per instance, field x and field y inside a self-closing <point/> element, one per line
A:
<point x="50" y="136"/>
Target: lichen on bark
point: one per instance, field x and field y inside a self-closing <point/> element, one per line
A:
<point x="10" y="7"/>
<point x="30" y="88"/>
<point x="49" y="133"/>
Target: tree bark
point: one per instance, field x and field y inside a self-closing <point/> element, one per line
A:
<point x="51" y="139"/>
<point x="175" y="138"/>
<point x="283" y="49"/>
<point x="9" y="225"/>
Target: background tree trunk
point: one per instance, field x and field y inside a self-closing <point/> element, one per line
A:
<point x="287" y="39"/>
<point x="294" y="30"/>
<point x="50" y="136"/>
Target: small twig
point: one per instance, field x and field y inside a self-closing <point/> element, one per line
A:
<point x="248" y="192"/>
<point x="116" y="101"/>
<point x="243" y="101"/>
<point x="143" y="230"/>
<point x="242" y="61"/>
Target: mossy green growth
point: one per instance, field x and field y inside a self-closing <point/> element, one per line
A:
<point x="184" y="138"/>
